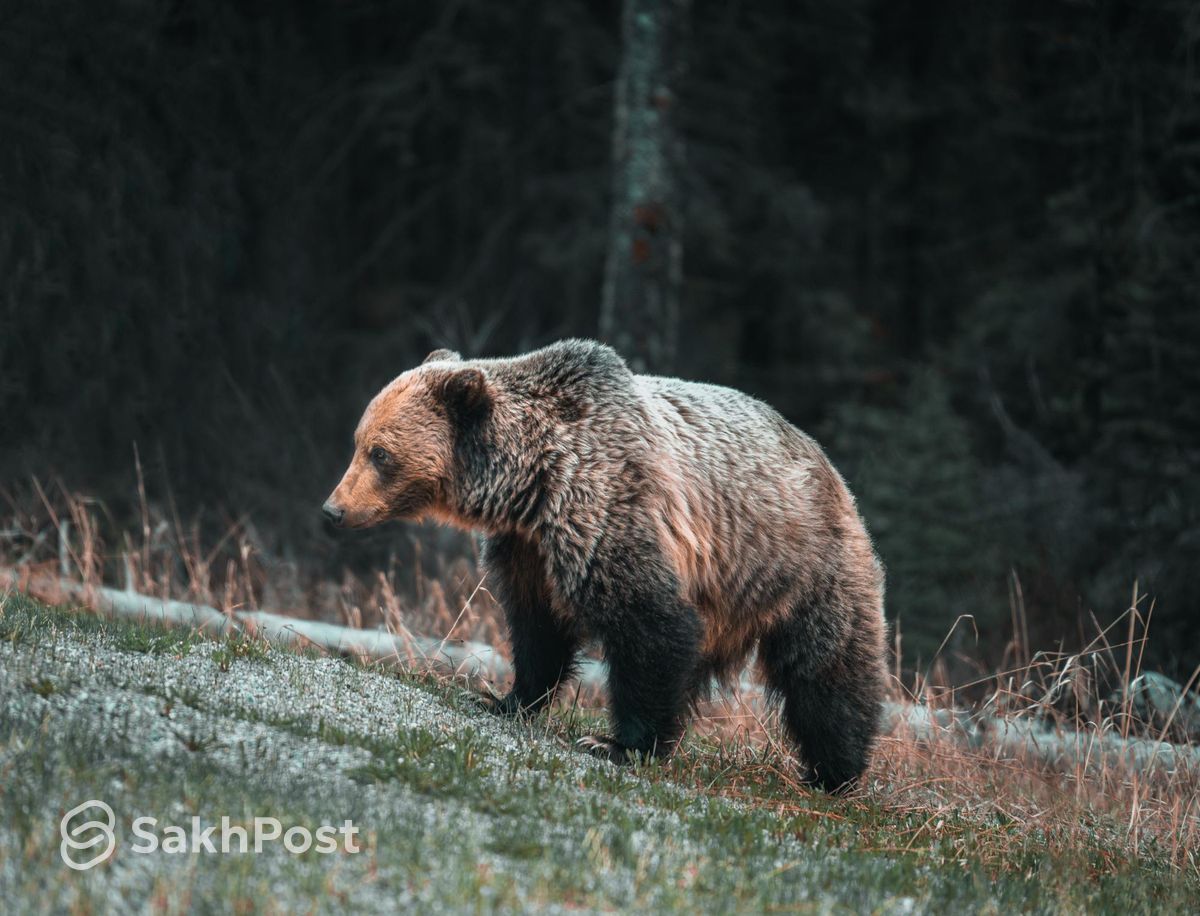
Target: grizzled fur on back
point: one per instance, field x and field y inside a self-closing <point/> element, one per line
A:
<point x="679" y="525"/>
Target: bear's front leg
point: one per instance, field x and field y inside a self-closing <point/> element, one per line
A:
<point x="651" y="641"/>
<point x="543" y="658"/>
<point x="544" y="647"/>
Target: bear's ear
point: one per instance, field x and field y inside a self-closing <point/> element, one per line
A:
<point x="442" y="356"/>
<point x="466" y="390"/>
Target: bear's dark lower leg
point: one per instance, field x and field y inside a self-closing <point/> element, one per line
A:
<point x="835" y="727"/>
<point x="831" y="703"/>
<point x="543" y="657"/>
<point x="544" y="647"/>
<point x="652" y="653"/>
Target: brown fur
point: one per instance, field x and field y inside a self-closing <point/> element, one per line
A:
<point x="406" y="420"/>
<point x="654" y="515"/>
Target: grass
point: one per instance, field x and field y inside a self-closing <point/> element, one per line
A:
<point x="240" y="645"/>
<point x="27" y="622"/>
<point x="461" y="811"/>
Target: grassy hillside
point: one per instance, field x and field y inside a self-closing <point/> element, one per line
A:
<point x="456" y="810"/>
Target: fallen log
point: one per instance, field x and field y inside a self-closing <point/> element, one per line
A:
<point x="470" y="658"/>
<point x="1027" y="738"/>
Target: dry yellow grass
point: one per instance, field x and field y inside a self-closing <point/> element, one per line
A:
<point x="942" y="790"/>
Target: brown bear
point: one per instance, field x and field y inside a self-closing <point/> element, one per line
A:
<point x="677" y="525"/>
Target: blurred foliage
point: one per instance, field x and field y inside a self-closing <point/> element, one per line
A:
<point x="923" y="490"/>
<point x="957" y="242"/>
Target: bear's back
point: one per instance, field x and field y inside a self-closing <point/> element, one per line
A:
<point x="733" y="440"/>
<point x="747" y="505"/>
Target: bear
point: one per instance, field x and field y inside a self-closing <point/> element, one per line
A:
<point x="676" y="525"/>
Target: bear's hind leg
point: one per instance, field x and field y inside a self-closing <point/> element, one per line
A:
<point x="831" y="699"/>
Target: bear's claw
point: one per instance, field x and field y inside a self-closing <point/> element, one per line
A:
<point x="605" y="748"/>
<point x="500" y="706"/>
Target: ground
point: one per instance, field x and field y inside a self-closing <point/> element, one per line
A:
<point x="458" y="811"/>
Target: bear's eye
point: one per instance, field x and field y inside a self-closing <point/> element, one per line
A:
<point x="379" y="457"/>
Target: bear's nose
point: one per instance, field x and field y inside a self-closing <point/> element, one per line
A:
<point x="335" y="514"/>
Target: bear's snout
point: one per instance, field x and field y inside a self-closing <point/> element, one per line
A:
<point x="334" y="512"/>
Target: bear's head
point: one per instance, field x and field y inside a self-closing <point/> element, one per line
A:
<point x="404" y="444"/>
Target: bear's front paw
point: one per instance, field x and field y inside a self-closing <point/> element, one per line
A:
<point x="606" y="749"/>
<point x="507" y="705"/>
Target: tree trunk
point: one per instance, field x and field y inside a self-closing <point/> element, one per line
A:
<point x="639" y="311"/>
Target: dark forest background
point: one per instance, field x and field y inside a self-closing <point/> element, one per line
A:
<point x="956" y="241"/>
